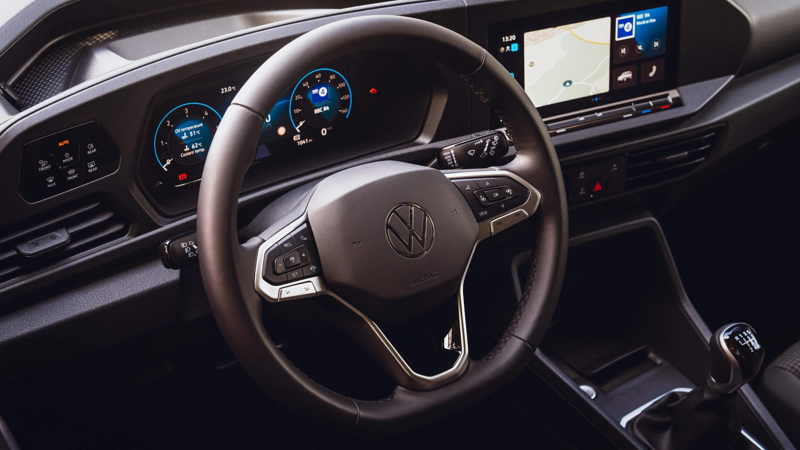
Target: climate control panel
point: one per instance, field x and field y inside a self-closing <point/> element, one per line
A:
<point x="66" y="160"/>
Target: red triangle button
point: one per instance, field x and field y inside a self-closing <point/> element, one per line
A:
<point x="597" y="187"/>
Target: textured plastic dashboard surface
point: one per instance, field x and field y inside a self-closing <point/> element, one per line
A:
<point x="68" y="61"/>
<point x="144" y="293"/>
<point x="774" y="31"/>
<point x="63" y="32"/>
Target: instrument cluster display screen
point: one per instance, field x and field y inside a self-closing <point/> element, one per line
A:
<point x="591" y="60"/>
<point x="315" y="111"/>
<point x="345" y="108"/>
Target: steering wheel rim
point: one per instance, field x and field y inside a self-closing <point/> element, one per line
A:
<point x="228" y="268"/>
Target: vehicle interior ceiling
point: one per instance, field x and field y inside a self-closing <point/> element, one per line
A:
<point x="674" y="127"/>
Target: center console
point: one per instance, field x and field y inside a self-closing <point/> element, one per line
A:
<point x="626" y="340"/>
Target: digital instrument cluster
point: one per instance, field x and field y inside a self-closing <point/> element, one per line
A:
<point x="317" y="109"/>
<point x="346" y="108"/>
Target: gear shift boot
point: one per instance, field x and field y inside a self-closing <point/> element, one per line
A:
<point x="706" y="417"/>
<point x="701" y="419"/>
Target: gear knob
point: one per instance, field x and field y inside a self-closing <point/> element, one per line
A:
<point x="736" y="357"/>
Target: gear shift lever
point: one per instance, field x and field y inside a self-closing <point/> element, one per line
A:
<point x="706" y="417"/>
<point x="736" y="357"/>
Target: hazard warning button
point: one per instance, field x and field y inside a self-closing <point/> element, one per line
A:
<point x="597" y="187"/>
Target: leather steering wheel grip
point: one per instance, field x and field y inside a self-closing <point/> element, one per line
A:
<point x="228" y="268"/>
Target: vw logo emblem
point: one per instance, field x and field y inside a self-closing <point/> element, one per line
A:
<point x="409" y="229"/>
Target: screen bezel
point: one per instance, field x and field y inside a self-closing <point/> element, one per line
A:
<point x="514" y="62"/>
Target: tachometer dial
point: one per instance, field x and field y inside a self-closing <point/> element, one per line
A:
<point x="320" y="102"/>
<point x="182" y="141"/>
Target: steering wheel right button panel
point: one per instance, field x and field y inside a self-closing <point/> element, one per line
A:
<point x="502" y="200"/>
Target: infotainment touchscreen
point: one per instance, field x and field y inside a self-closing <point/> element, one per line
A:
<point x="601" y="56"/>
<point x="567" y="62"/>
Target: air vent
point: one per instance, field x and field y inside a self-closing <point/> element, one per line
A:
<point x="62" y="234"/>
<point x="663" y="161"/>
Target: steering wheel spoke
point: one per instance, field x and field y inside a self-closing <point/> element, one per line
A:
<point x="452" y="354"/>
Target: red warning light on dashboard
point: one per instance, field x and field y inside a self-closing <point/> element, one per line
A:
<point x="182" y="176"/>
<point x="281" y="131"/>
<point x="373" y="91"/>
<point x="598" y="187"/>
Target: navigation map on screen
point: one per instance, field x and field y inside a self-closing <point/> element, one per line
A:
<point x="567" y="62"/>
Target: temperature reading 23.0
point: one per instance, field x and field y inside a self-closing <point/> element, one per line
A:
<point x="320" y="102"/>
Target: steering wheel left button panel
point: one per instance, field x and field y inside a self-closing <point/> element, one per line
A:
<point x="65" y="160"/>
<point x="293" y="258"/>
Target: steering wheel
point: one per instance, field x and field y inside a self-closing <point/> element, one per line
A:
<point x="390" y="241"/>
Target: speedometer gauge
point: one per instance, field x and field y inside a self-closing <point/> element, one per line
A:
<point x="320" y="102"/>
<point x="182" y="141"/>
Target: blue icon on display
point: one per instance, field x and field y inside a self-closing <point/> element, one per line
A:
<point x="650" y="28"/>
<point x="626" y="27"/>
<point x="514" y="47"/>
<point x="512" y="74"/>
<point x="320" y="95"/>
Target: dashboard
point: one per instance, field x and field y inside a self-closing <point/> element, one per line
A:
<point x="581" y="68"/>
<point x="637" y="109"/>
